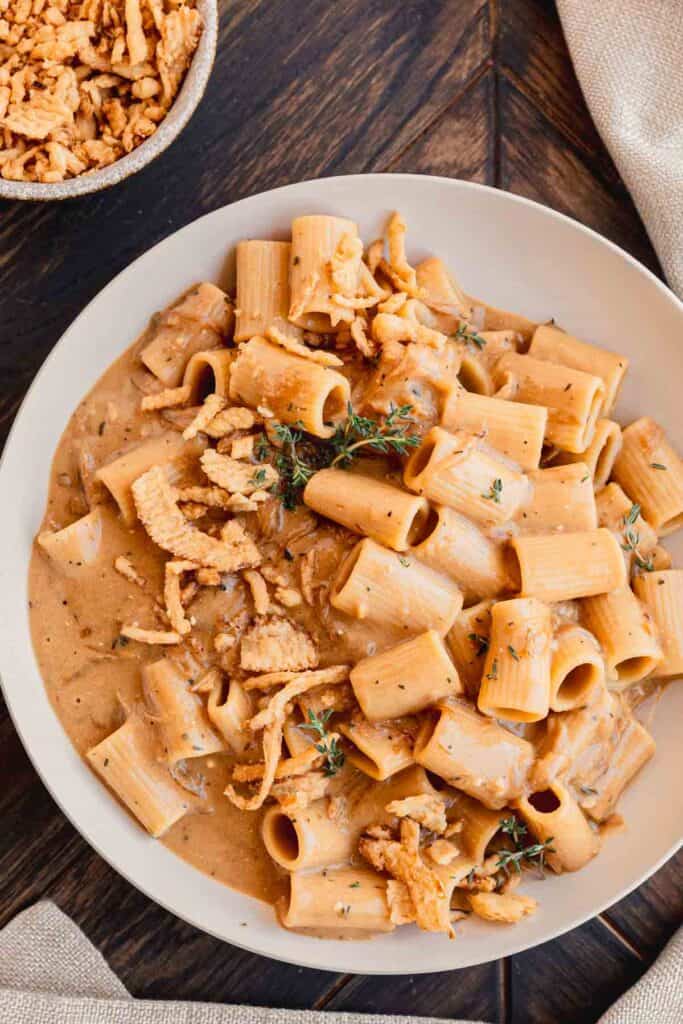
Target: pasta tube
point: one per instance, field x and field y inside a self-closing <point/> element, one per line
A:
<point x="633" y="750"/>
<point x="454" y="470"/>
<point x="516" y="679"/>
<point x="295" y="389"/>
<point x="573" y="398"/>
<point x="468" y="642"/>
<point x="229" y="708"/>
<point x="662" y="593"/>
<point x="309" y="838"/>
<point x="489" y="318"/>
<point x="118" y="476"/>
<point x="202" y="319"/>
<point x="577" y="669"/>
<point x="457" y="547"/>
<point x="127" y="761"/>
<point x="627" y="635"/>
<point x="316" y="241"/>
<point x="379" y="750"/>
<point x="554" y="816"/>
<point x="208" y="373"/>
<point x="376" y="584"/>
<point x="340" y="900"/>
<point x="570" y="733"/>
<point x="513" y="428"/>
<point x="562" y="499"/>
<point x="474" y="753"/>
<point x="262" y="299"/>
<point x="563" y="566"/>
<point x="480" y="826"/>
<point x="555" y="346"/>
<point x="405" y="679"/>
<point x="616" y="512"/>
<point x="600" y="455"/>
<point x="368" y="506"/>
<point x="76" y="546"/>
<point x="650" y="470"/>
<point x="442" y="292"/>
<point x="179" y="714"/>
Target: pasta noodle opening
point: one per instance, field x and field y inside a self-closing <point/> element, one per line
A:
<point x="419" y="461"/>
<point x="345" y="570"/>
<point x="633" y="669"/>
<point x="513" y="568"/>
<point x="606" y="458"/>
<point x="281" y="839"/>
<point x="334" y="405"/>
<point x="474" y="376"/>
<point x="423" y="525"/>
<point x="578" y="681"/>
<point x="423" y="739"/>
<point x="546" y="801"/>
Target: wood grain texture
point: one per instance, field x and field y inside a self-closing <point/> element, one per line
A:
<point x="477" y="89"/>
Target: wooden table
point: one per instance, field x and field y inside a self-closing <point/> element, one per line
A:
<point x="465" y="88"/>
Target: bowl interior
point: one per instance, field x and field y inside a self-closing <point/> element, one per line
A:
<point x="509" y="251"/>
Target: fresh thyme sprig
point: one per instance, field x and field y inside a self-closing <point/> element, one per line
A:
<point x="300" y="455"/>
<point x="480" y="642"/>
<point x="360" y="432"/>
<point x="514" y="828"/>
<point x="495" y="491"/>
<point x="535" y="853"/>
<point x="632" y="539"/>
<point x="464" y="333"/>
<point x="328" y="746"/>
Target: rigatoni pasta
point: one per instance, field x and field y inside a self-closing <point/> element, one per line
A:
<point x="573" y="398"/>
<point x="458" y="471"/>
<point x="516" y="678"/>
<point x="372" y="576"/>
<point x="650" y="471"/>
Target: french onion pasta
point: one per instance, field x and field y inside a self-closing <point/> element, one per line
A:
<point x="349" y="585"/>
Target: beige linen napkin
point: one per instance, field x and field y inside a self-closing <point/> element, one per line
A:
<point x="51" y="974"/>
<point x="628" y="56"/>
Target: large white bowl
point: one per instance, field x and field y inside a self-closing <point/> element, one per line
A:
<point x="508" y="250"/>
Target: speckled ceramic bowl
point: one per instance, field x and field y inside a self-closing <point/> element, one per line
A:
<point x="185" y="104"/>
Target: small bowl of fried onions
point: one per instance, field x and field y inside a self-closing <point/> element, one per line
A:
<point x="92" y="92"/>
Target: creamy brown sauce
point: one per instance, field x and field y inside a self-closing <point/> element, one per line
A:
<point x="92" y="677"/>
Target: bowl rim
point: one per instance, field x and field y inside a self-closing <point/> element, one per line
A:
<point x="194" y="919"/>
<point x="183" y="107"/>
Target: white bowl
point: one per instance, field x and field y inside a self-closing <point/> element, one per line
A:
<point x="182" y="109"/>
<point x="517" y="255"/>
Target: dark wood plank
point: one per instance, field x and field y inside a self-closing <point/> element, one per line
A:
<point x="650" y="915"/>
<point x="475" y="993"/>
<point x="459" y="143"/>
<point x="533" y="54"/>
<point x="538" y="162"/>
<point x="571" y="980"/>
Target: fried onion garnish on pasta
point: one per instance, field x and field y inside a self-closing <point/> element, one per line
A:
<point x="158" y="511"/>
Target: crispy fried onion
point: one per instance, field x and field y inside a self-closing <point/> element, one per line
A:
<point x="426" y="809"/>
<point x="386" y="328"/>
<point x="503" y="908"/>
<point x="164" y="522"/>
<point x="345" y="264"/>
<point x="275" y="335"/>
<point x="271" y="720"/>
<point x="213" y="404"/>
<point x="235" y="476"/>
<point x="169" y="398"/>
<point x="173" y="599"/>
<point x="402" y="270"/>
<point x="237" y="417"/>
<point x="403" y="861"/>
